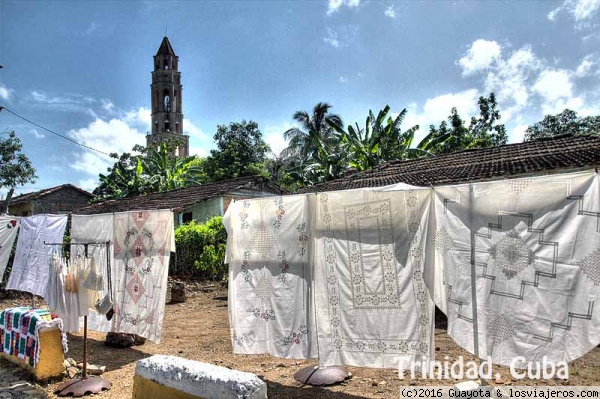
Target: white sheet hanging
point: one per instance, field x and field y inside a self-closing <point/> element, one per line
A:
<point x="9" y="226"/>
<point x="94" y="228"/>
<point x="372" y="306"/>
<point x="30" y="267"/>
<point x="536" y="254"/>
<point x="269" y="255"/>
<point x="143" y="242"/>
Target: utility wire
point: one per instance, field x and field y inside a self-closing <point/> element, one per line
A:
<point x="57" y="134"/>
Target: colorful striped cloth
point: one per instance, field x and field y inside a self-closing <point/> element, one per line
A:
<point x="19" y="335"/>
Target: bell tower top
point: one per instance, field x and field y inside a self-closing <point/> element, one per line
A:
<point x="167" y="105"/>
<point x="165" y="57"/>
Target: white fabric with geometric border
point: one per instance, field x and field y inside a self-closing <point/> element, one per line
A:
<point x="143" y="243"/>
<point x="269" y="256"/>
<point x="536" y="255"/>
<point x="372" y="306"/>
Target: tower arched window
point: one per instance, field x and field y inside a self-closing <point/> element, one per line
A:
<point x="166" y="63"/>
<point x="166" y="101"/>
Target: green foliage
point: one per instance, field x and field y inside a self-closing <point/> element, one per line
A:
<point x="313" y="154"/>
<point x="567" y="122"/>
<point x="154" y="169"/>
<point x="241" y="151"/>
<point x="482" y="132"/>
<point x="201" y="248"/>
<point x="15" y="167"/>
<point x="382" y="139"/>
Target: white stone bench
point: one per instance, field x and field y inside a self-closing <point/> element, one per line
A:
<point x="161" y="376"/>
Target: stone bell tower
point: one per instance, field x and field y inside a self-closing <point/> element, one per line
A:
<point x="167" y="112"/>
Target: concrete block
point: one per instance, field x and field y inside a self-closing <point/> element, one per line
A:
<point x="161" y="376"/>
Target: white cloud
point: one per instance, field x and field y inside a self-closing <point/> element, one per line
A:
<point x="112" y="136"/>
<point x="553" y="85"/>
<point x="65" y="102"/>
<point x="582" y="11"/>
<point x="437" y="109"/>
<point x="481" y="56"/>
<point x="342" y="79"/>
<point x="335" y="5"/>
<point x="37" y="134"/>
<point x="192" y="130"/>
<point x="201" y="152"/>
<point x="88" y="184"/>
<point x="108" y="105"/>
<point x="518" y="133"/>
<point x="273" y="135"/>
<point x="340" y="37"/>
<point x="93" y="26"/>
<point x="140" y="119"/>
<point x="5" y="92"/>
<point x="332" y="38"/>
<point x="585" y="67"/>
<point x="390" y="11"/>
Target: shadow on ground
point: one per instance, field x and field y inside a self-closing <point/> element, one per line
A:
<point x="102" y="355"/>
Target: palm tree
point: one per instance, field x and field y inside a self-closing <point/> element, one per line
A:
<point x="382" y="140"/>
<point x="313" y="147"/>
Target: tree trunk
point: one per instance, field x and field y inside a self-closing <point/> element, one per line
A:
<point x="7" y="201"/>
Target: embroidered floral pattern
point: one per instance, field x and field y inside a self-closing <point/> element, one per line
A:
<point x="279" y="212"/>
<point x="302" y="238"/>
<point x="244" y="215"/>
<point x="266" y="315"/>
<point x="12" y="223"/>
<point x="296" y="337"/>
<point x="239" y="340"/>
<point x="244" y="267"/>
<point x="284" y="266"/>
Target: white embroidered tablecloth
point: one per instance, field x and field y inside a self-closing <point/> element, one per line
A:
<point x="372" y="306"/>
<point x="269" y="276"/>
<point x="143" y="242"/>
<point x="536" y="255"/>
<point x="9" y="226"/>
<point x="31" y="264"/>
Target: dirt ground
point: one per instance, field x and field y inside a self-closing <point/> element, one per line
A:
<point x="199" y="330"/>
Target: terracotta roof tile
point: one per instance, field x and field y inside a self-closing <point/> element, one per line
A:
<point x="175" y="199"/>
<point x="39" y="194"/>
<point x="533" y="157"/>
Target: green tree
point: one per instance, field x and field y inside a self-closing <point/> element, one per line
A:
<point x="482" y="132"/>
<point x="382" y="139"/>
<point x="241" y="151"/>
<point x="152" y="169"/>
<point x="15" y="168"/>
<point x="313" y="154"/>
<point x="567" y="122"/>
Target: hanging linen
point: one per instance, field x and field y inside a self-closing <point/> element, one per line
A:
<point x="372" y="306"/>
<point x="534" y="245"/>
<point x="95" y="229"/>
<point x="9" y="225"/>
<point x="143" y="243"/>
<point x="269" y="276"/>
<point x="58" y="296"/>
<point x="30" y="267"/>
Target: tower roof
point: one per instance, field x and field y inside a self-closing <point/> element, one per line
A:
<point x="165" y="47"/>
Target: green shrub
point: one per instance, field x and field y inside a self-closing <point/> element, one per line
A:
<point x="201" y="249"/>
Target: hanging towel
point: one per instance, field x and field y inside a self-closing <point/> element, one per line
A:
<point x="270" y="253"/>
<point x="143" y="242"/>
<point x="9" y="225"/>
<point x="535" y="248"/>
<point x="372" y="306"/>
<point x="94" y="228"/>
<point x="30" y="267"/>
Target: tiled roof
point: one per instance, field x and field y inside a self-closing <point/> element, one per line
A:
<point x="39" y="194"/>
<point x="175" y="199"/>
<point x="533" y="157"/>
<point x="165" y="47"/>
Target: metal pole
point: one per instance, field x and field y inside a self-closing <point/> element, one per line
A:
<point x="84" y="373"/>
<point x="474" y="280"/>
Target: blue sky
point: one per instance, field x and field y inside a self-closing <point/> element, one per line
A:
<point x="83" y="68"/>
